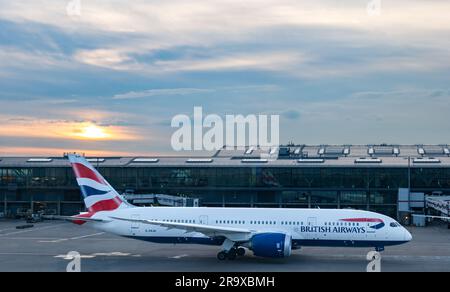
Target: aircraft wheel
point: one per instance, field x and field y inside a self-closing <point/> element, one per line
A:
<point x="232" y="254"/>
<point x="241" y="251"/>
<point x="221" y="256"/>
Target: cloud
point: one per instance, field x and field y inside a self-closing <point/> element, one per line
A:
<point x="201" y="17"/>
<point x="119" y="35"/>
<point x="270" y="61"/>
<point x="263" y="61"/>
<point x="344" y="75"/>
<point x="62" y="129"/>
<point x="161" y="92"/>
<point x="408" y="115"/>
<point x="102" y="58"/>
<point x="13" y="57"/>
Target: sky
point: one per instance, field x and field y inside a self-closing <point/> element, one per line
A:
<point x="107" y="79"/>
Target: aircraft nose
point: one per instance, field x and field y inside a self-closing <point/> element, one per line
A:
<point x="408" y="236"/>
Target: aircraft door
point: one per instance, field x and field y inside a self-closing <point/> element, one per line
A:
<point x="135" y="226"/>
<point x="311" y="224"/>
<point x="203" y="220"/>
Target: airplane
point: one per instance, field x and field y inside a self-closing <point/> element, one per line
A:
<point x="267" y="232"/>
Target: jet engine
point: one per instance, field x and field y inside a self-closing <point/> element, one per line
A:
<point x="271" y="245"/>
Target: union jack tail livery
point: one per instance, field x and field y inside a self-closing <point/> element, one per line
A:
<point x="98" y="194"/>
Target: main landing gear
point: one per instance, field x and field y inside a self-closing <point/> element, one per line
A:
<point x="231" y="254"/>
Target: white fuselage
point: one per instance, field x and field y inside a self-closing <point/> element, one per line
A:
<point x="318" y="227"/>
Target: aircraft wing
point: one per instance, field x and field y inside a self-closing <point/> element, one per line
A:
<point x="75" y="218"/>
<point x="235" y="234"/>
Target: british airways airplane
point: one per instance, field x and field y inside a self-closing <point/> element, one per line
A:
<point x="271" y="233"/>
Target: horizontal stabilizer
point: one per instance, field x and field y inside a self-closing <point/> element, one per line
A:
<point x="75" y="218"/>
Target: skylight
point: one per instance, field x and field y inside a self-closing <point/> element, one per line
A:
<point x="426" y="160"/>
<point x="249" y="150"/>
<point x="146" y="160"/>
<point x="38" y="160"/>
<point x="368" y="160"/>
<point x="199" y="160"/>
<point x="96" y="159"/>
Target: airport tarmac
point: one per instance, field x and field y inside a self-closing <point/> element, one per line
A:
<point x="45" y="246"/>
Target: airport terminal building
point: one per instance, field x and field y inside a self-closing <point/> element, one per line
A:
<point x="365" y="177"/>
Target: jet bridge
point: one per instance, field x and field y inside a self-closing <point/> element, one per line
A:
<point x="439" y="205"/>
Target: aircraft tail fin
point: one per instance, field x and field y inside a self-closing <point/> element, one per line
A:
<point x="98" y="194"/>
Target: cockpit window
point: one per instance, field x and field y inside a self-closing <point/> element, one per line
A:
<point x="394" y="224"/>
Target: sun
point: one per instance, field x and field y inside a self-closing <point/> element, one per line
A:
<point x="93" y="132"/>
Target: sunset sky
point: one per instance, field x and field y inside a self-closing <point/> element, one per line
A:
<point x="109" y="81"/>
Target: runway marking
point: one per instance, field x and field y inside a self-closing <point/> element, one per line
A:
<point x="53" y="241"/>
<point x="68" y="258"/>
<point x="86" y="236"/>
<point x="72" y="238"/>
<point x="179" y="256"/>
<point x="31" y="230"/>
<point x="99" y="254"/>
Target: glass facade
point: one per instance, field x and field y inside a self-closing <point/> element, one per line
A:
<point x="324" y="187"/>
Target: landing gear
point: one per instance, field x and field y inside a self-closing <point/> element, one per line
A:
<point x="240" y="251"/>
<point x="221" y="256"/>
<point x="232" y="254"/>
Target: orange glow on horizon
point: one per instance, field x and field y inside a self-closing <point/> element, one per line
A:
<point x="67" y="130"/>
<point x="93" y="132"/>
<point x="58" y="152"/>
